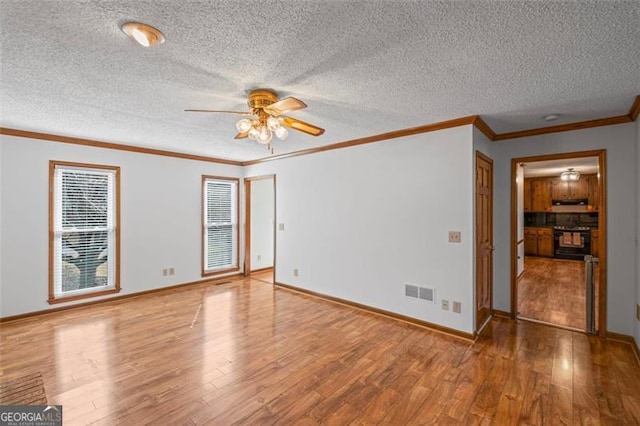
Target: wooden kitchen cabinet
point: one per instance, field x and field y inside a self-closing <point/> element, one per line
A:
<point x="569" y="190"/>
<point x="530" y="242"/>
<point x="545" y="242"/>
<point x="540" y="195"/>
<point x="595" y="239"/>
<point x="538" y="242"/>
<point x="594" y="191"/>
<point x="527" y="195"/>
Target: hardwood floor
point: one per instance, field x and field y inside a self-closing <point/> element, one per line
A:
<point x="250" y="353"/>
<point x="553" y="291"/>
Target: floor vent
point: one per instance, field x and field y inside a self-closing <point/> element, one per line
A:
<point x="417" y="292"/>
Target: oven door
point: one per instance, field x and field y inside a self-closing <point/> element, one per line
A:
<point x="573" y="245"/>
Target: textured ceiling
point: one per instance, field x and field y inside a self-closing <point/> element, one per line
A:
<point x="363" y="67"/>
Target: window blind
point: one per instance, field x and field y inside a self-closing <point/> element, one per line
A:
<point x="84" y="230"/>
<point x="220" y="224"/>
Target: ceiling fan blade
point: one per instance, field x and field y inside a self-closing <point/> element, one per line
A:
<point x="222" y="111"/>
<point x="241" y="135"/>
<point x="302" y="126"/>
<point x="285" y="105"/>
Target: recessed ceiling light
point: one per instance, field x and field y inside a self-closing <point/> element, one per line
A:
<point x="551" y="117"/>
<point x="144" y="34"/>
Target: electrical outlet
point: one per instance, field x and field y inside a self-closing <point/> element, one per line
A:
<point x="295" y="272"/>
<point x="454" y="236"/>
<point x="457" y="307"/>
<point x="281" y="226"/>
<point x="445" y="305"/>
<point x="164" y="272"/>
<point x="171" y="271"/>
<point x="259" y="258"/>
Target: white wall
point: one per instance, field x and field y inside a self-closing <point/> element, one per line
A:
<point x="361" y="222"/>
<point x="620" y="142"/>
<point x="1" y="232"/>
<point x="262" y="223"/>
<point x="160" y="218"/>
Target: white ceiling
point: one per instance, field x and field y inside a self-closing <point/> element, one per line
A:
<point x="363" y="67"/>
<point x="584" y="165"/>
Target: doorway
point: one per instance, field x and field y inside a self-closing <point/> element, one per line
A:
<point x="558" y="216"/>
<point x="260" y="214"/>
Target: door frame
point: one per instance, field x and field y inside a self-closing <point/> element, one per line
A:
<point x="602" y="228"/>
<point x="478" y="327"/>
<point x="247" y="221"/>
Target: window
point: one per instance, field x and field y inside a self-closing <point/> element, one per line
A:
<point x="220" y="225"/>
<point x="84" y="231"/>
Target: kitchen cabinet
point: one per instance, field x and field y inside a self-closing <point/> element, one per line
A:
<point x="540" y="195"/>
<point x="527" y="195"/>
<point x="595" y="239"/>
<point x="569" y="190"/>
<point x="594" y="191"/>
<point x="538" y="242"/>
<point x="545" y="242"/>
<point x="530" y="242"/>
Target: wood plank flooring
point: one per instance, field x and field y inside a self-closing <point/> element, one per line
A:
<point x="553" y="291"/>
<point x="248" y="353"/>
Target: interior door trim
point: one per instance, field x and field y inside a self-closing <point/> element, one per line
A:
<point x="247" y="221"/>
<point x="602" y="228"/>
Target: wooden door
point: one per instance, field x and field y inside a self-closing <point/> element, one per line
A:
<point x="484" y="239"/>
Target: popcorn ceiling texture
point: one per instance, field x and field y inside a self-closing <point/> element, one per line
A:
<point x="363" y="67"/>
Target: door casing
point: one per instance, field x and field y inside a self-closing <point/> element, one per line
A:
<point x="602" y="229"/>
<point x="247" y="221"/>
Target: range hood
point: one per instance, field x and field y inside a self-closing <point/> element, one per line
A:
<point x="571" y="202"/>
<point x="576" y="205"/>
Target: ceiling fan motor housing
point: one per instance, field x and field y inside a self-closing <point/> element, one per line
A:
<point x="261" y="98"/>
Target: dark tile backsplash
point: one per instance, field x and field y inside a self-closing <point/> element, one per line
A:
<point x="561" y="219"/>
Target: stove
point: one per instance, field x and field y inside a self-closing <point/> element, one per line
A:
<point x="571" y="242"/>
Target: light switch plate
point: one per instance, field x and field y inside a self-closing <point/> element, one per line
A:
<point x="281" y="227"/>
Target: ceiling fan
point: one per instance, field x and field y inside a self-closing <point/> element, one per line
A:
<point x="268" y="119"/>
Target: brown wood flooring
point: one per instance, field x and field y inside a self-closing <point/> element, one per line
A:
<point x="246" y="352"/>
<point x="553" y="291"/>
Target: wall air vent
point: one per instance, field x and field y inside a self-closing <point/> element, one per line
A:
<point x="423" y="293"/>
<point x="426" y="294"/>
<point x="411" y="290"/>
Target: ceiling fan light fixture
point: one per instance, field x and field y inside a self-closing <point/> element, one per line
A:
<point x="143" y="34"/>
<point x="253" y="133"/>
<point x="282" y="133"/>
<point x="243" y="125"/>
<point x="265" y="136"/>
<point x="570" y="175"/>
<point x="273" y="123"/>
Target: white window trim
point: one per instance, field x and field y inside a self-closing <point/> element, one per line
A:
<point x="234" y="265"/>
<point x="56" y="168"/>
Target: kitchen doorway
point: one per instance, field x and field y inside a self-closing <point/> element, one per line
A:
<point x="260" y="217"/>
<point x="558" y="216"/>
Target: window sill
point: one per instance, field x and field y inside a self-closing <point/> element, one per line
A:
<point x="220" y="272"/>
<point x="63" y="299"/>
